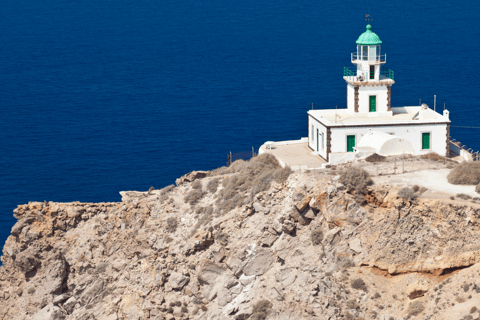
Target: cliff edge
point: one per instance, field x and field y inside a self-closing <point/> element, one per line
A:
<point x="252" y="241"/>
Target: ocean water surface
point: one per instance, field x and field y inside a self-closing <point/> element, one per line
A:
<point x="97" y="97"/>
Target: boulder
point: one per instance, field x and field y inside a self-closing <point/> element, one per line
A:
<point x="288" y="226"/>
<point x="298" y="217"/>
<point x="49" y="312"/>
<point x="355" y="245"/>
<point x="191" y="176"/>
<point x="258" y="207"/>
<point x="235" y="264"/>
<point x="209" y="272"/>
<point x="260" y="261"/>
<point x="177" y="281"/>
<point x="303" y="204"/>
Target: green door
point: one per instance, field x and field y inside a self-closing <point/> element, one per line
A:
<point x="317" y="140"/>
<point x="373" y="103"/>
<point x="350" y="143"/>
<point x="426" y="140"/>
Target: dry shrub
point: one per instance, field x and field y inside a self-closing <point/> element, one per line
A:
<point x="463" y="196"/>
<point x="465" y="173"/>
<point x="415" y="188"/>
<point x="197" y="185"/>
<point x="261" y="309"/>
<point x="172" y="224"/>
<point x="407" y="194"/>
<point x="359" y="284"/>
<point x="356" y="179"/>
<point x="249" y="179"/>
<point x="165" y="191"/>
<point x="233" y="168"/>
<point x="317" y="236"/>
<point x="415" y="308"/>
<point x="375" y="158"/>
<point x="212" y="185"/>
<point x="432" y="156"/>
<point x="477" y="188"/>
<point x="194" y="196"/>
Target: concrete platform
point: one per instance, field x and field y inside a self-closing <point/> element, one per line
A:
<point x="296" y="155"/>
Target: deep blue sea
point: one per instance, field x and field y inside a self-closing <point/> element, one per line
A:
<point x="102" y="96"/>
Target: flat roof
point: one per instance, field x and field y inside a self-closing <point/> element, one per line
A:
<point x="401" y="115"/>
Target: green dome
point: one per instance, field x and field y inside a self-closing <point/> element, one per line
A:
<point x="369" y="38"/>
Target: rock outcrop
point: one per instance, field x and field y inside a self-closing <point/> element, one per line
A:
<point x="305" y="245"/>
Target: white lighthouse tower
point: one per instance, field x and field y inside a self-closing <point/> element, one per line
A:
<point x="369" y="86"/>
<point x="370" y="124"/>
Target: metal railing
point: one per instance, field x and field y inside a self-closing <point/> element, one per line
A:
<point x="458" y="149"/>
<point x="381" y="58"/>
<point x="387" y="73"/>
<point x="351" y="75"/>
<point x="246" y="155"/>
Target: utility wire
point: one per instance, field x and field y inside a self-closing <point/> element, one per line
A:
<point x="465" y="127"/>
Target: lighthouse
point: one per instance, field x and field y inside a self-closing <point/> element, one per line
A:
<point x="370" y="124"/>
<point x="369" y="83"/>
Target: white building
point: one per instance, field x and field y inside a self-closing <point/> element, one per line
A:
<point x="369" y="124"/>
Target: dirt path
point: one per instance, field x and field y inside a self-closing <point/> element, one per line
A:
<point x="434" y="180"/>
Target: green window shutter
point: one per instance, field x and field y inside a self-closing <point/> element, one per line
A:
<point x="425" y="140"/>
<point x="350" y="143"/>
<point x="317" y="140"/>
<point x="372" y="103"/>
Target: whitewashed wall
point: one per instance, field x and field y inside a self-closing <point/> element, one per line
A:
<point x="363" y="98"/>
<point x="350" y="98"/>
<point x="438" y="134"/>
<point x="312" y="140"/>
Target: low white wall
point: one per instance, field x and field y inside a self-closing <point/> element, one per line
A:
<point x="462" y="153"/>
<point x="343" y="157"/>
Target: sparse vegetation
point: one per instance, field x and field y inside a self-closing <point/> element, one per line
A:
<point x="432" y="156"/>
<point x="249" y="179"/>
<point x="407" y="194"/>
<point x="261" y="309"/>
<point x="467" y="173"/>
<point x="359" y="284"/>
<point x="317" y="236"/>
<point x="473" y="310"/>
<point x="31" y="290"/>
<point x="415" y="308"/>
<point x="194" y="196"/>
<point x="375" y="158"/>
<point x="356" y="179"/>
<point x="463" y="196"/>
<point x="452" y="198"/>
<point x="477" y="188"/>
<point x="212" y="185"/>
<point x="197" y="185"/>
<point x="172" y="224"/>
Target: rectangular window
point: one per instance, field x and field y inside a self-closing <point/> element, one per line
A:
<point x="365" y="53"/>
<point x="372" y="53"/>
<point x="372" y="72"/>
<point x="312" y="134"/>
<point x="350" y="143"/>
<point x="425" y="140"/>
<point x="323" y="141"/>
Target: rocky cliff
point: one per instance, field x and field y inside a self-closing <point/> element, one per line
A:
<point x="252" y="241"/>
